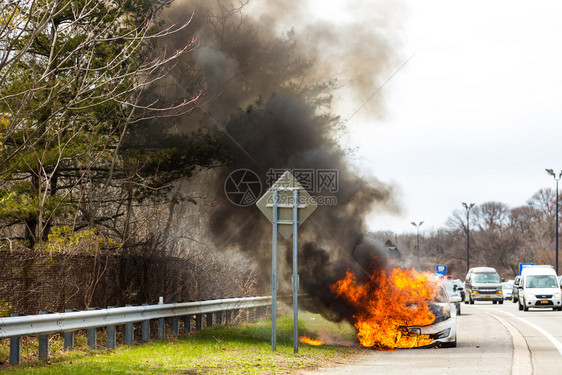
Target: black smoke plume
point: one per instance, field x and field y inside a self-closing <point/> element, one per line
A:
<point x="270" y="92"/>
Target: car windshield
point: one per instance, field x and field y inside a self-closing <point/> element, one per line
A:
<point x="448" y="286"/>
<point x="486" y="278"/>
<point x="441" y="296"/>
<point x="541" y="281"/>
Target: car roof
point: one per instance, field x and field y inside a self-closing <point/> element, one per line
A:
<point x="538" y="270"/>
<point x="482" y="270"/>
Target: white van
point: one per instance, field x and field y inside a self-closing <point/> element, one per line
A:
<point x="539" y="288"/>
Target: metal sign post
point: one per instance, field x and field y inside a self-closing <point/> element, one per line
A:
<point x="286" y="216"/>
<point x="295" y="271"/>
<point x="274" y="272"/>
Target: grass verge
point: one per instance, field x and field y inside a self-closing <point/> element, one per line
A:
<point x="242" y="349"/>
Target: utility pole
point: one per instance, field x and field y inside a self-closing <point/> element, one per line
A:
<point x="551" y="172"/>
<point x="418" y="225"/>
<point x="467" y="207"/>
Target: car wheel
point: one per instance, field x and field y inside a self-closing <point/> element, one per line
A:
<point x="501" y="302"/>
<point x="452" y="344"/>
<point x="494" y="302"/>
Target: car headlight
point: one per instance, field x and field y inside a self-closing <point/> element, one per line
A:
<point x="529" y="296"/>
<point x="475" y="291"/>
<point x="499" y="291"/>
<point x="557" y="295"/>
<point x="414" y="331"/>
<point x="442" y="334"/>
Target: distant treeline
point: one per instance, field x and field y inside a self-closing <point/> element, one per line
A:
<point x="500" y="237"/>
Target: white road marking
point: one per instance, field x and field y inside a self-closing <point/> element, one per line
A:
<point x="551" y="338"/>
<point x="521" y="363"/>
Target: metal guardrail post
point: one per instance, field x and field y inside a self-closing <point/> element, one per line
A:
<point x="161" y="323"/>
<point x="92" y="334"/>
<point x="129" y="332"/>
<point x="69" y="336"/>
<point x="228" y="316"/>
<point x="44" y="342"/>
<point x="175" y="326"/>
<point x="161" y="329"/>
<point x="187" y="323"/>
<point x="209" y="319"/>
<point x="111" y="334"/>
<point x="198" y="322"/>
<point x="218" y="317"/>
<point x="145" y="329"/>
<point x="15" y="348"/>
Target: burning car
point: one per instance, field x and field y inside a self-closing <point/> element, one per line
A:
<point x="398" y="310"/>
<point x="442" y="332"/>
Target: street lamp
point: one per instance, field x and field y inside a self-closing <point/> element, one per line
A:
<point x="418" y="230"/>
<point x="467" y="207"/>
<point x="551" y="172"/>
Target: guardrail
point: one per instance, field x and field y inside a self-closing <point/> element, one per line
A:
<point x="47" y="323"/>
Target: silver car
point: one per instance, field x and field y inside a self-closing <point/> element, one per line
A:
<point x="507" y="288"/>
<point x="483" y="284"/>
<point x="454" y="293"/>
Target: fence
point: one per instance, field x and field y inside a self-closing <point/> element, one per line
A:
<point x="47" y="323"/>
<point x="33" y="281"/>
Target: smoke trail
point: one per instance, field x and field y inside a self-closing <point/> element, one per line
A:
<point x="272" y="96"/>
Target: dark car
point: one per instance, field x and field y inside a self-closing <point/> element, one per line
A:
<point x="515" y="290"/>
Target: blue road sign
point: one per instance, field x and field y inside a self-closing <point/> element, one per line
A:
<point x="441" y="269"/>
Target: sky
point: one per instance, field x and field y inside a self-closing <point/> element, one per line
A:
<point x="475" y="114"/>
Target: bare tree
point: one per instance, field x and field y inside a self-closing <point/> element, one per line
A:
<point x="492" y="216"/>
<point x="72" y="78"/>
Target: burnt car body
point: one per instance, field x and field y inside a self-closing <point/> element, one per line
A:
<point x="443" y="330"/>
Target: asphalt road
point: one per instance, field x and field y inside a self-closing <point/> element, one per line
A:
<point x="492" y="339"/>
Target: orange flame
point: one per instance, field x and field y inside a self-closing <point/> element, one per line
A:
<point x="386" y="304"/>
<point x="309" y="341"/>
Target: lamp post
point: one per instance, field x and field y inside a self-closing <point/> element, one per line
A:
<point x="551" y="172"/>
<point x="418" y="230"/>
<point x="467" y="207"/>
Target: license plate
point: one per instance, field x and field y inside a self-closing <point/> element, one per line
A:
<point x="543" y="301"/>
<point x="488" y="296"/>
